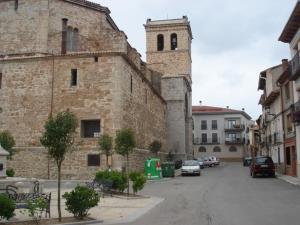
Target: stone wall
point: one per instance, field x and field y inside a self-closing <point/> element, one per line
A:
<point x="142" y="109"/>
<point x="36" y="27"/>
<point x="18" y="33"/>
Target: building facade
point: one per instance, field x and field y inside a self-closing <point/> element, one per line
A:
<point x="60" y="55"/>
<point x="291" y="36"/>
<point x="220" y="132"/>
<point x="276" y="134"/>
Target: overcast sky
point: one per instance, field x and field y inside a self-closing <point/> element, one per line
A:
<point x="233" y="41"/>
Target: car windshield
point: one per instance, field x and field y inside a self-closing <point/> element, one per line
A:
<point x="200" y="160"/>
<point x="264" y="160"/>
<point x="190" y="163"/>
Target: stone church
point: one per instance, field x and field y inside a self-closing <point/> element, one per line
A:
<point x="69" y="54"/>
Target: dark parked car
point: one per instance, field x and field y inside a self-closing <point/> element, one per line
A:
<point x="247" y="161"/>
<point x="262" y="165"/>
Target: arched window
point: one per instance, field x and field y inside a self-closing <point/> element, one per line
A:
<point x="217" y="149"/>
<point x="160" y="42"/>
<point x="75" y="40"/>
<point x="202" y="149"/>
<point x="72" y="39"/>
<point x="173" y="41"/>
<point x="69" y="38"/>
<point x="232" y="149"/>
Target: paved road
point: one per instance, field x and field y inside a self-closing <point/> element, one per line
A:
<point x="224" y="195"/>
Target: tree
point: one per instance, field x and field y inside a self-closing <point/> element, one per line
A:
<point x="155" y="147"/>
<point x="124" y="145"/>
<point x="7" y="142"/>
<point x="58" y="139"/>
<point x="106" y="144"/>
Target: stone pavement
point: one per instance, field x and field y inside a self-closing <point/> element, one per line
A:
<point x="110" y="210"/>
<point x="289" y="179"/>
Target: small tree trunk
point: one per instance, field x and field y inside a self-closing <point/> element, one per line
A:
<point x="58" y="191"/>
<point x="127" y="170"/>
<point x="107" y="161"/>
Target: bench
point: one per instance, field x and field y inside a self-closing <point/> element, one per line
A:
<point x="21" y="199"/>
<point x="101" y="185"/>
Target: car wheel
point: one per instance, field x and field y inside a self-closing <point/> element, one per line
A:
<point x="198" y="174"/>
<point x="273" y="174"/>
<point x="253" y="174"/>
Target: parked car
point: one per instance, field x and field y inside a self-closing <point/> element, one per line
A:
<point x="215" y="160"/>
<point x="262" y="165"/>
<point x="201" y="163"/>
<point x="208" y="162"/>
<point x="190" y="167"/>
<point x="247" y="161"/>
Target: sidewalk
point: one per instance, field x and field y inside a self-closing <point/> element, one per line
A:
<point x="110" y="210"/>
<point x="289" y="179"/>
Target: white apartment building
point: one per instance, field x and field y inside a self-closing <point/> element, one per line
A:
<point x="220" y="132"/>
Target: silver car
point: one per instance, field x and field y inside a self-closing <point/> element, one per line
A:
<point x="190" y="167"/>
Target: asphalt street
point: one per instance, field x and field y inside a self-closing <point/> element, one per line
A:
<point x="223" y="195"/>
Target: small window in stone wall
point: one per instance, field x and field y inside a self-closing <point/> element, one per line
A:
<point x="217" y="149"/>
<point x="232" y="149"/>
<point x="202" y="149"/>
<point x="90" y="128"/>
<point x="1" y="166"/>
<point x="74" y="77"/>
<point x="16" y="4"/>
<point x="93" y="159"/>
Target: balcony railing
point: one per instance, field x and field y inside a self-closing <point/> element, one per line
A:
<point x="234" y="141"/>
<point x="295" y="67"/>
<point x="235" y="127"/>
<point x="296" y="112"/>
<point x="206" y="141"/>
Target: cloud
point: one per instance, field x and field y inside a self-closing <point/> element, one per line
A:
<point x="233" y="41"/>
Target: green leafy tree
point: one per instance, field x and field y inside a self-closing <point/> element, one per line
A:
<point x="106" y="143"/>
<point x="155" y="147"/>
<point x="124" y="145"/>
<point x="7" y="141"/>
<point x="58" y="139"/>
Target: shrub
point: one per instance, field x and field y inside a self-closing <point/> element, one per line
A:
<point x="138" y="181"/>
<point x="80" y="200"/>
<point x="7" y="141"/>
<point x="155" y="147"/>
<point x="10" y="172"/>
<point x="178" y="164"/>
<point x="35" y="208"/>
<point x="7" y="207"/>
<point x="119" y="179"/>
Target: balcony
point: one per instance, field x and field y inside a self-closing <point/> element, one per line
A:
<point x="234" y="128"/>
<point x="234" y="141"/>
<point x="296" y="112"/>
<point x="295" y="67"/>
<point x="206" y="141"/>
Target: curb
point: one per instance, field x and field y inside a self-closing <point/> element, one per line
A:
<point x="288" y="180"/>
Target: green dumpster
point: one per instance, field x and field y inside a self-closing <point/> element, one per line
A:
<point x="168" y="169"/>
<point x="153" y="169"/>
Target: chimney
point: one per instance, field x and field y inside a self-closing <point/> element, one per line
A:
<point x="200" y="103"/>
<point x="64" y="36"/>
<point x="285" y="64"/>
<point x="243" y="109"/>
<point x="227" y="107"/>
